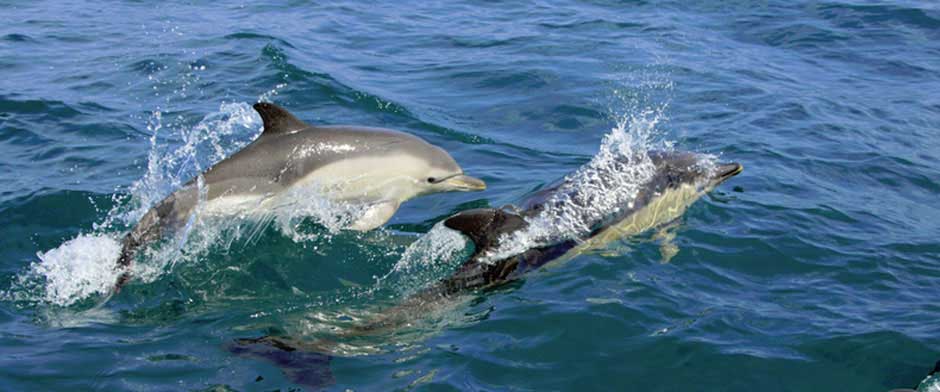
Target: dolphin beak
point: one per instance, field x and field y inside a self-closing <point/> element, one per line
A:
<point x="728" y="170"/>
<point x="465" y="183"/>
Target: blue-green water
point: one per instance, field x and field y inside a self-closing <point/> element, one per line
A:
<point x="817" y="269"/>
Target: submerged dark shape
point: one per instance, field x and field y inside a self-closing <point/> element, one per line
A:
<point x="678" y="179"/>
<point x="304" y="367"/>
<point x="374" y="167"/>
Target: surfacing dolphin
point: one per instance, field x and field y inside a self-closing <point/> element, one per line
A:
<point x="374" y="167"/>
<point x="678" y="180"/>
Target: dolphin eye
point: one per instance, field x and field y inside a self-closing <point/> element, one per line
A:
<point x="431" y="180"/>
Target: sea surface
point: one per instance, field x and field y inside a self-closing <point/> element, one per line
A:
<point x="816" y="269"/>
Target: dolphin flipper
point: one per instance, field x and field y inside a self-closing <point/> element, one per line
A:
<point x="667" y="242"/>
<point x="376" y="215"/>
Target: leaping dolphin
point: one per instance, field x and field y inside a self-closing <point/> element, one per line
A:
<point x="375" y="167"/>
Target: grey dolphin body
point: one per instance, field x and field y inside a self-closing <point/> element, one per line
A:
<point x="677" y="182"/>
<point x="375" y="167"/>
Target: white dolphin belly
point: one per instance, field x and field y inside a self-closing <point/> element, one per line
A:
<point x="661" y="210"/>
<point x="365" y="179"/>
<point x="235" y="204"/>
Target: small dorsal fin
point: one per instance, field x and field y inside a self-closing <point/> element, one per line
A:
<point x="277" y="120"/>
<point x="473" y="224"/>
<point x="484" y="226"/>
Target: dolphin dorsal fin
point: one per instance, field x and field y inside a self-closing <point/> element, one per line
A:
<point x="472" y="223"/>
<point x="278" y="120"/>
<point x="484" y="226"/>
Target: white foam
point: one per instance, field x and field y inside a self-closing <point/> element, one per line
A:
<point x="77" y="269"/>
<point x="437" y="246"/>
<point x="215" y="137"/>
<point x="930" y="384"/>
<point x="431" y="257"/>
<point x="307" y="202"/>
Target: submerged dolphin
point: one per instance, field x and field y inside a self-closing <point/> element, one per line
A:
<point x="678" y="180"/>
<point x="376" y="167"/>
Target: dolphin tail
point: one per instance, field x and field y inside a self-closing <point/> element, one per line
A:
<point x="157" y="222"/>
<point x="300" y="362"/>
<point x="147" y="230"/>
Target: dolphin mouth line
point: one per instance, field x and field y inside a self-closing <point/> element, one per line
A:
<point x="463" y="182"/>
<point x="443" y="179"/>
<point x="729" y="170"/>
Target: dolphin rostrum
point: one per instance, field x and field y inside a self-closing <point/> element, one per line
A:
<point x="373" y="167"/>
<point x="678" y="179"/>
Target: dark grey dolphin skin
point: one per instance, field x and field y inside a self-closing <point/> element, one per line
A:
<point x="372" y="166"/>
<point x="675" y="173"/>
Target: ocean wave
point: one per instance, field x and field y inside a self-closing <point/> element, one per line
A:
<point x="865" y="16"/>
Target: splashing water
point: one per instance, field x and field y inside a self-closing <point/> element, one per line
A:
<point x="77" y="269"/>
<point x="217" y="136"/>
<point x="931" y="384"/>
<point x="440" y="243"/>
<point x="300" y="203"/>
<point x="431" y="257"/>
<point x="609" y="182"/>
